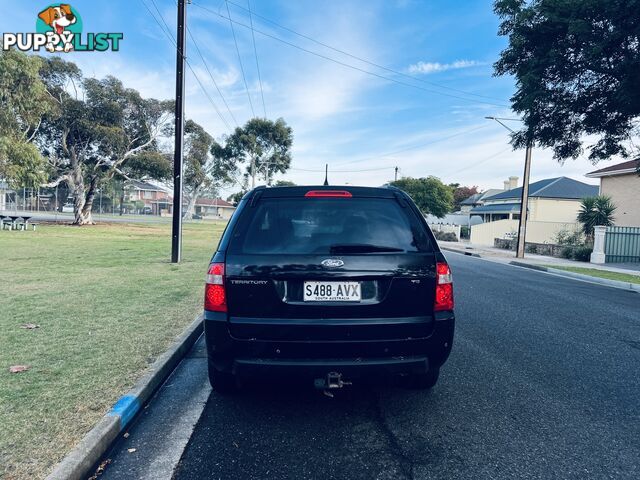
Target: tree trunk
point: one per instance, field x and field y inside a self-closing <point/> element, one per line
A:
<point x="84" y="201"/>
<point x="122" y="201"/>
<point x="191" y="206"/>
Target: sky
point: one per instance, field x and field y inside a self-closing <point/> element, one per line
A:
<point x="424" y="115"/>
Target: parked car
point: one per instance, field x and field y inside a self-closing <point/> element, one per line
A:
<point x="330" y="285"/>
<point x="196" y="216"/>
<point x="147" y="210"/>
<point x="67" y="208"/>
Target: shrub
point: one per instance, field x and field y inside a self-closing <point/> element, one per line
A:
<point x="566" y="237"/>
<point x="465" y="232"/>
<point x="567" y="252"/>
<point x="445" y="236"/>
<point x="531" y="248"/>
<point x="582" y="254"/>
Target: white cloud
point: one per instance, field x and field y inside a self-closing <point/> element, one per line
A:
<point x="433" y="67"/>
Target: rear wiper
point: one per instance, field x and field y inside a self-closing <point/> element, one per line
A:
<point x="361" y="248"/>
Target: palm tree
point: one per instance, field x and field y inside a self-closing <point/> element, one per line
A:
<point x="595" y="211"/>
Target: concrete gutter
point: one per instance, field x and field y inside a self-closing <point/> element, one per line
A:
<point x="579" y="276"/>
<point x="463" y="252"/>
<point x="78" y="463"/>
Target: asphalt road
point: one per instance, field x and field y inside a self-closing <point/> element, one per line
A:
<point x="543" y="382"/>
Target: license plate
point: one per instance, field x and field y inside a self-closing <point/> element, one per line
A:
<point x="331" y="292"/>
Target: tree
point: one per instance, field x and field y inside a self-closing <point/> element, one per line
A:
<point x="430" y="194"/>
<point x="197" y="144"/>
<point x="97" y="133"/>
<point x="236" y="197"/>
<point x="265" y="145"/>
<point x="595" y="211"/>
<point x="577" y="70"/>
<point x="25" y="101"/>
<point x="285" y="183"/>
<point x="461" y="193"/>
<point x="208" y="165"/>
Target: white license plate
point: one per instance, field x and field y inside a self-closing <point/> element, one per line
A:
<point x="331" y="292"/>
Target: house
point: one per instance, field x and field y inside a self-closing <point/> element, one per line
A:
<point x="622" y="183"/>
<point x="553" y="206"/>
<point x="214" y="208"/>
<point x="478" y="199"/>
<point x="157" y="199"/>
<point x="550" y="200"/>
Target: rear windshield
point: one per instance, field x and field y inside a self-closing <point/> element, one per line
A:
<point x="328" y="226"/>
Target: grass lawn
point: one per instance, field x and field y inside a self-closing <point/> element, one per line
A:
<point x="594" y="272"/>
<point x="107" y="301"/>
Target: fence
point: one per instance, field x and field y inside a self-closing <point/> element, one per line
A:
<point x="616" y="245"/>
<point x="439" y="227"/>
<point x="537" y="232"/>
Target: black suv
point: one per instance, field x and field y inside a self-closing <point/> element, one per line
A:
<point x="327" y="284"/>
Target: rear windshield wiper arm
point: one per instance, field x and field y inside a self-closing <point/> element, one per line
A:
<point x="361" y="248"/>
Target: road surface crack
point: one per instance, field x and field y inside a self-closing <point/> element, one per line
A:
<point x="395" y="449"/>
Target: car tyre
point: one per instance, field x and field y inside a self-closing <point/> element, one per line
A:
<point x="423" y="381"/>
<point x="222" y="382"/>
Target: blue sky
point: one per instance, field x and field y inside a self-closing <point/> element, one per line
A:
<point x="360" y="124"/>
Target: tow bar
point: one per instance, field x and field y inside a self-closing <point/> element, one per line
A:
<point x="332" y="381"/>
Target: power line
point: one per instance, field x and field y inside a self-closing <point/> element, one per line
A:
<point x="168" y="30"/>
<point x="347" y="65"/>
<point x="369" y="62"/>
<point x="478" y="163"/>
<point x="206" y="65"/>
<point x="201" y="57"/>
<point x="173" y="41"/>
<point x="255" y="51"/>
<point x="343" y="171"/>
<point x="233" y="31"/>
<point x="413" y="147"/>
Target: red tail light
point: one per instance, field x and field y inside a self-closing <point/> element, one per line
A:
<point x="215" y="297"/>
<point x="328" y="193"/>
<point x="444" y="288"/>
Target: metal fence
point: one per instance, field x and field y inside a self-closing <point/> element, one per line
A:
<point x="622" y="244"/>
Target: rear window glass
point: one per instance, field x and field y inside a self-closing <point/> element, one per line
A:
<point x="328" y="226"/>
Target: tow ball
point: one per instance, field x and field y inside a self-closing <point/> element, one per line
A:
<point x="332" y="381"/>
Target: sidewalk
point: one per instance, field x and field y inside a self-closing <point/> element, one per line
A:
<point x="507" y="256"/>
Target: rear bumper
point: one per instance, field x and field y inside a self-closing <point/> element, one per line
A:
<point x="321" y="354"/>
<point x="350" y="368"/>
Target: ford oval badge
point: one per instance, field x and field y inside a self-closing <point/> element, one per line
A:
<point x="332" y="263"/>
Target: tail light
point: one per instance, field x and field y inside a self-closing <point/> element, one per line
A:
<point x="444" y="288"/>
<point x="215" y="297"/>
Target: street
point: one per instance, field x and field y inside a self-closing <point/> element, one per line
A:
<point x="542" y="383"/>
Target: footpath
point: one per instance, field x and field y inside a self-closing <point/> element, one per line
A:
<point x="620" y="275"/>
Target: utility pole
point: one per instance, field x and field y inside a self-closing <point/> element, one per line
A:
<point x="253" y="172"/>
<point x="395" y="177"/>
<point x="176" y="231"/>
<point x="524" y="198"/>
<point x="524" y="202"/>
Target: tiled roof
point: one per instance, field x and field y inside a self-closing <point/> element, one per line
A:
<point x="472" y="199"/>
<point x="497" y="208"/>
<point x="561" y="187"/>
<point x="620" y="168"/>
<point x="213" y="202"/>
<point x="140" y="185"/>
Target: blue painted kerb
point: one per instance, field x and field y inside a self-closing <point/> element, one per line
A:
<point x="125" y="408"/>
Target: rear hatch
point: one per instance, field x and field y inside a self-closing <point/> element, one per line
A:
<point x="329" y="263"/>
